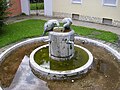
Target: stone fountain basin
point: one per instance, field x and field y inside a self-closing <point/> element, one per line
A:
<point x="109" y="80"/>
<point x="53" y="74"/>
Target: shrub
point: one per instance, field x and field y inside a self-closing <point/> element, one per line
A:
<point x="34" y="1"/>
<point x="3" y="12"/>
<point x="40" y="6"/>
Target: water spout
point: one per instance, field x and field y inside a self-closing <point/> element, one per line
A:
<point x="69" y="42"/>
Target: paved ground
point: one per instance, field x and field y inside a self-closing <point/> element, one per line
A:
<point x="75" y="22"/>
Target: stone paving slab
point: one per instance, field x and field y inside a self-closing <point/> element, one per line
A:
<point x="25" y="80"/>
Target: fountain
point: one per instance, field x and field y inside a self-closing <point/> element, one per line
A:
<point x="59" y="56"/>
<point x="63" y="59"/>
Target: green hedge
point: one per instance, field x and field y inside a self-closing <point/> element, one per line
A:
<point x="39" y="5"/>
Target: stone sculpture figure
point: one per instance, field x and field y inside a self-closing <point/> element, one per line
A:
<point x="49" y="25"/>
<point x="67" y="22"/>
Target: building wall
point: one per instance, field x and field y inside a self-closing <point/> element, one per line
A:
<point x="88" y="10"/>
<point x="15" y="8"/>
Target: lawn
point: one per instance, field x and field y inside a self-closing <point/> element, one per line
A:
<point x="33" y="28"/>
<point x="97" y="34"/>
<point x="39" y="5"/>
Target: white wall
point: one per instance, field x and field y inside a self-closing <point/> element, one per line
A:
<point x="48" y="8"/>
<point x="25" y="6"/>
<point x="88" y="8"/>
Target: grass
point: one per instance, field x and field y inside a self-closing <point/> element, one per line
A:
<point x="17" y="31"/>
<point x="94" y="33"/>
<point x="32" y="28"/>
<point x="39" y="5"/>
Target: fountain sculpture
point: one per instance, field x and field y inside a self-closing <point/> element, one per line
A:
<point x="64" y="58"/>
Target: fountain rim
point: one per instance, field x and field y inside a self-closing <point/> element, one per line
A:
<point x="34" y="65"/>
<point x="61" y="33"/>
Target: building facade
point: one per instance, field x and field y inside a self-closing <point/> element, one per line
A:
<point x="15" y="8"/>
<point x="98" y="11"/>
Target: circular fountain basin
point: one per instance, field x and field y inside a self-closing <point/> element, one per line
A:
<point x="104" y="74"/>
<point x="59" y="74"/>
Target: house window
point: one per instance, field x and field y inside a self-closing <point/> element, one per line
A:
<point x="76" y="1"/>
<point x="110" y="2"/>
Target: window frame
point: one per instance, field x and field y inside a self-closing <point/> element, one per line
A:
<point x="77" y="2"/>
<point x="107" y="4"/>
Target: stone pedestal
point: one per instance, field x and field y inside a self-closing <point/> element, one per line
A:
<point x="61" y="45"/>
